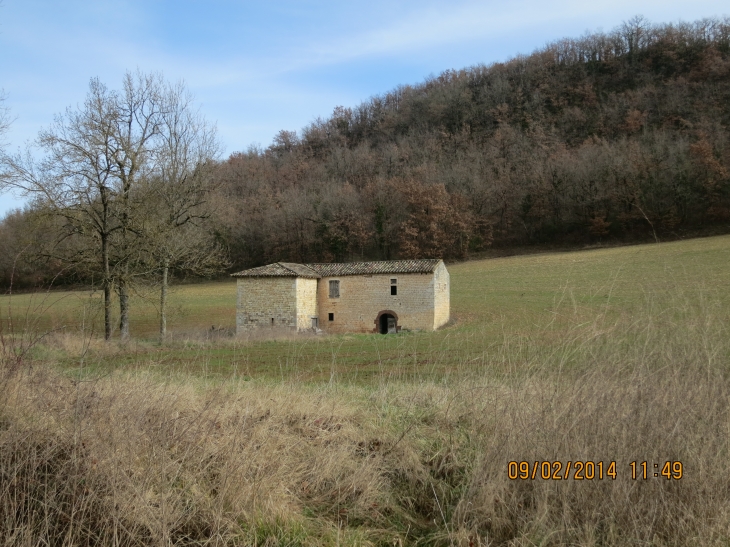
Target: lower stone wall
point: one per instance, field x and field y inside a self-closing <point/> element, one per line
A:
<point x="363" y="297"/>
<point x="266" y="302"/>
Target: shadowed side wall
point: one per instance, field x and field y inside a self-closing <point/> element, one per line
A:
<point x="261" y="299"/>
<point x="442" y="296"/>
<point x="362" y="297"/>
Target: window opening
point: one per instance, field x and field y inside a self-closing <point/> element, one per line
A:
<point x="331" y="316"/>
<point x="272" y="321"/>
<point x="394" y="290"/>
<point x="334" y="289"/>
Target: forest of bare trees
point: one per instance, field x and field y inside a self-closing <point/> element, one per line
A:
<point x="618" y="136"/>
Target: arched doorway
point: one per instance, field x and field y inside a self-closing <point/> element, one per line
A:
<point x="386" y="322"/>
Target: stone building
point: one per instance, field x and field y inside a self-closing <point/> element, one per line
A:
<point x="382" y="297"/>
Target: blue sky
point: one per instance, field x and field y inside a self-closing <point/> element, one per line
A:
<point x="258" y="67"/>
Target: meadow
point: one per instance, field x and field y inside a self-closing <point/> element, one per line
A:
<point x="605" y="355"/>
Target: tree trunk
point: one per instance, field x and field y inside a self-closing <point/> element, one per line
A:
<point x="107" y="309"/>
<point x="123" y="309"/>
<point x="107" y="285"/>
<point x="163" y="300"/>
<point x="124" y="279"/>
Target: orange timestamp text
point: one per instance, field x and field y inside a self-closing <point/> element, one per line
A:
<point x="590" y="470"/>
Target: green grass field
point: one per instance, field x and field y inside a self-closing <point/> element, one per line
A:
<point x="494" y="303"/>
<point x="608" y="355"/>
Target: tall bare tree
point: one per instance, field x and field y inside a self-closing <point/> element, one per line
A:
<point x="76" y="179"/>
<point x="180" y="190"/>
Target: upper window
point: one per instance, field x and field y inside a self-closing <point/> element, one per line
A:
<point x="334" y="288"/>
<point x="393" y="287"/>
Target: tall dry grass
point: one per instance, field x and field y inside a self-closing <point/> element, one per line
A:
<point x="140" y="458"/>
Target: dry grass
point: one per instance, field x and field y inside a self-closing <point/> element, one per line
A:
<point x="149" y="458"/>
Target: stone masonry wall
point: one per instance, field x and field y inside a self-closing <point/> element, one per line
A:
<point x="261" y="299"/>
<point x="362" y="297"/>
<point x="442" y="296"/>
<point x="306" y="295"/>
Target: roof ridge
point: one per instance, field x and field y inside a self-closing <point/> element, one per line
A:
<point x="287" y="265"/>
<point x="284" y="265"/>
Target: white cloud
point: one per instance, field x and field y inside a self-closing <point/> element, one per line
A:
<point x="428" y="28"/>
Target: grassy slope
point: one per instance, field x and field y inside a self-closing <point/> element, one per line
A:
<point x="543" y="295"/>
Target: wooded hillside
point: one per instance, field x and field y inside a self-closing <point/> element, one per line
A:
<point x="621" y="135"/>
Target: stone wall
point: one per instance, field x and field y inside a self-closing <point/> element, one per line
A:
<point x="363" y="297"/>
<point x="306" y="295"/>
<point x="442" y="296"/>
<point x="266" y="302"/>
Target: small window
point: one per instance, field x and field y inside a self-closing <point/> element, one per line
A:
<point x="272" y="321"/>
<point x="331" y="316"/>
<point x="394" y="290"/>
<point x="393" y="281"/>
<point x="334" y="289"/>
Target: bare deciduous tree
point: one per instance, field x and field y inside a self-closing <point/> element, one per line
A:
<point x="180" y="189"/>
